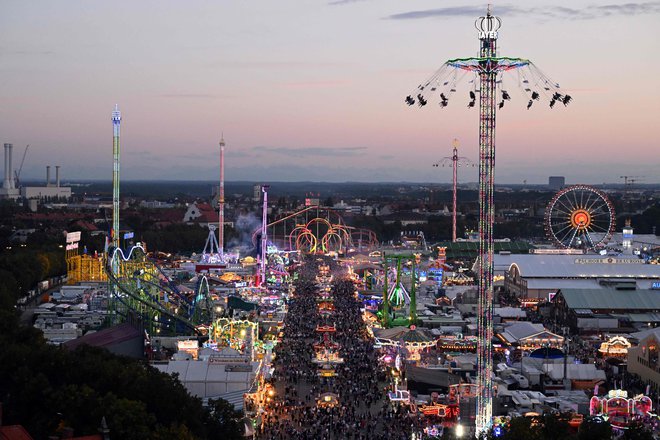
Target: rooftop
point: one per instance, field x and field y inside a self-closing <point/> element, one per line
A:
<point x="611" y="299"/>
<point x="106" y="337"/>
<point x="576" y="266"/>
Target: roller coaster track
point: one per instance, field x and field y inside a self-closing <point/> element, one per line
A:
<point x="302" y="237"/>
<point x="148" y="292"/>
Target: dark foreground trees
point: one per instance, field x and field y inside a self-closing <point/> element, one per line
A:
<point x="47" y="389"/>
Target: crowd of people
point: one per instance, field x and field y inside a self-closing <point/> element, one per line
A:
<point x="357" y="407"/>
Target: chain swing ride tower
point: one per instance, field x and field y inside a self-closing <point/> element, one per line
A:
<point x="488" y="81"/>
<point x="487" y="78"/>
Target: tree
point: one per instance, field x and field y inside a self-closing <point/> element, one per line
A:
<point x="47" y="389"/>
<point x="226" y="418"/>
<point x="637" y="431"/>
<point x="521" y="428"/>
<point x="593" y="429"/>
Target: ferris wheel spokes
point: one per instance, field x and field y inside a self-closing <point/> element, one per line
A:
<point x="575" y="213"/>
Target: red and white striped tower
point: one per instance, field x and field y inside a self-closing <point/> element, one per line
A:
<point x="221" y="199"/>
<point x="456" y="161"/>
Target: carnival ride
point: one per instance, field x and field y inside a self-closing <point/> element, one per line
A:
<point x="141" y="289"/>
<point x="580" y="216"/>
<point x="240" y="334"/>
<point x="276" y="272"/>
<point x="456" y="162"/>
<point x="487" y="77"/>
<point x="395" y="295"/>
<point x="316" y="229"/>
<point x="619" y="409"/>
<point x="615" y="347"/>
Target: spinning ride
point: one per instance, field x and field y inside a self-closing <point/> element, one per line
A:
<point x="580" y="216"/>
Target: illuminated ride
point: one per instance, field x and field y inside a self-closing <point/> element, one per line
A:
<point x="580" y="216"/>
<point x="316" y="229"/>
<point x="492" y="87"/>
<point x="395" y="295"/>
<point x="615" y="347"/>
<point x="141" y="290"/>
<point x="276" y="271"/>
<point x="328" y="400"/>
<point x="410" y="342"/>
<point x="240" y="334"/>
<point x="619" y="409"/>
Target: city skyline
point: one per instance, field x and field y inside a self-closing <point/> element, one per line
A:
<point x="315" y="91"/>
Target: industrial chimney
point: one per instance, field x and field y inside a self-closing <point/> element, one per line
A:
<point x="7" y="183"/>
<point x="57" y="176"/>
<point x="47" y="175"/>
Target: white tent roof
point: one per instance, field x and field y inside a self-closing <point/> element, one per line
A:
<point x="574" y="372"/>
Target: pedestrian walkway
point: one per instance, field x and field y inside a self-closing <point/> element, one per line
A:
<point x="351" y="402"/>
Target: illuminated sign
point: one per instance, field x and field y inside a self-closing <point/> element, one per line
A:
<point x="655" y="285"/>
<point x="557" y="251"/>
<point x="129" y="235"/>
<point x="187" y="345"/>
<point x="488" y="26"/>
<point x="609" y="260"/>
<point x="71" y="246"/>
<point x="72" y="237"/>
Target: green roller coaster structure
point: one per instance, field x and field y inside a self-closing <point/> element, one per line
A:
<point x="140" y="289"/>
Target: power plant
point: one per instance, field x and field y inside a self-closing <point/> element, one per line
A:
<point x="12" y="189"/>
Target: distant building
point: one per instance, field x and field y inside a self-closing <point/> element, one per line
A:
<point x="598" y="310"/>
<point x="256" y="192"/>
<point x="556" y="182"/>
<point x="529" y="336"/>
<point x="157" y="204"/>
<point x="537" y="275"/>
<point x="644" y="359"/>
<point x="202" y="213"/>
<point x="52" y="190"/>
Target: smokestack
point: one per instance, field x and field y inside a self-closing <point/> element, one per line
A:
<point x="7" y="182"/>
<point x="11" y="167"/>
<point x="57" y="176"/>
<point x="47" y="175"/>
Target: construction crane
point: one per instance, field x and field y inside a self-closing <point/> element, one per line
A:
<point x="627" y="179"/>
<point x="628" y="182"/>
<point x="17" y="173"/>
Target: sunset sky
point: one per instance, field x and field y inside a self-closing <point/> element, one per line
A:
<point x="314" y="90"/>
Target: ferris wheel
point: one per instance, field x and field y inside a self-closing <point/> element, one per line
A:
<point x="580" y="216"/>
